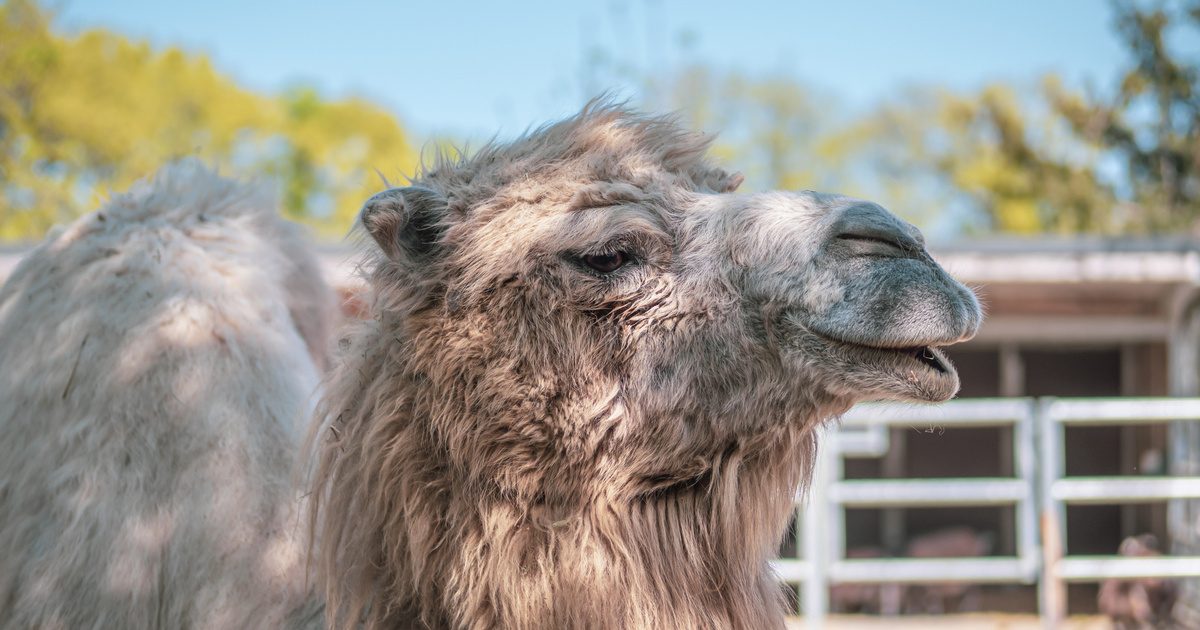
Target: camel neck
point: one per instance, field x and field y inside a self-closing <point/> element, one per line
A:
<point x="689" y="557"/>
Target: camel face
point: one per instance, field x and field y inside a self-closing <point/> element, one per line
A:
<point x="684" y="299"/>
<point x="862" y="306"/>
<point x="618" y="317"/>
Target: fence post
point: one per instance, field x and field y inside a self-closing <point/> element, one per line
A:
<point x="1025" y="466"/>
<point x="1052" y="595"/>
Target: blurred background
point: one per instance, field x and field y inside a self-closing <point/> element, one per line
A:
<point x="1066" y="117"/>
<point x="1051" y="152"/>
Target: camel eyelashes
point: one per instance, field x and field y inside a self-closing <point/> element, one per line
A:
<point x="606" y="263"/>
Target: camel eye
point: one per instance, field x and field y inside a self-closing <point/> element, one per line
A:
<point x="606" y="263"/>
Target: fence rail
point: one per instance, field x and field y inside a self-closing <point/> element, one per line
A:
<point x="916" y="570"/>
<point x="1058" y="490"/>
<point x="1039" y="491"/>
<point x="931" y="493"/>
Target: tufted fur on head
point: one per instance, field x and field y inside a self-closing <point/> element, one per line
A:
<point x="160" y="359"/>
<point x="587" y="391"/>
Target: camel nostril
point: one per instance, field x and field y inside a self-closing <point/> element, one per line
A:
<point x="878" y="243"/>
<point x="871" y="238"/>
<point x="866" y="228"/>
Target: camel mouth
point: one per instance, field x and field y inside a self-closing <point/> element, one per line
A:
<point x="929" y="356"/>
<point x="919" y="372"/>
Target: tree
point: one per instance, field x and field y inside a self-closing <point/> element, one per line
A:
<point x="1152" y="122"/>
<point x="1044" y="164"/>
<point x="771" y="126"/>
<point x="82" y="115"/>
<point x="1020" y="168"/>
<point x="330" y="154"/>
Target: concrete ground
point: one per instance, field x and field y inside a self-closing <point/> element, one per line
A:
<point x="971" y="621"/>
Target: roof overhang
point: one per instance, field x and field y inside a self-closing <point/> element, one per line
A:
<point x="1077" y="290"/>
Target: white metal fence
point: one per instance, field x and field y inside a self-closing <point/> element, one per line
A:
<point x="1038" y="490"/>
<point x="1058" y="490"/>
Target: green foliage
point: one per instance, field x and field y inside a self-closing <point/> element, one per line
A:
<point x="1066" y="162"/>
<point x="786" y="136"/>
<point x="1151" y="124"/>
<point x="1019" y="168"/>
<point x="771" y="127"/>
<point x="86" y="114"/>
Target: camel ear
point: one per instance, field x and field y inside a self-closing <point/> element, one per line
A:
<point x="722" y="182"/>
<point x="731" y="183"/>
<point x="406" y="222"/>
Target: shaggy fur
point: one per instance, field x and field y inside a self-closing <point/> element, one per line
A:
<point x="520" y="437"/>
<point x="159" y="359"/>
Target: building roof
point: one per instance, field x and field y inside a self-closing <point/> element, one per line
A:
<point x="1070" y="244"/>
<point x="1074" y="260"/>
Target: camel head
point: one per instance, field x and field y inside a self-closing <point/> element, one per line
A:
<point x="611" y="281"/>
<point x="589" y="320"/>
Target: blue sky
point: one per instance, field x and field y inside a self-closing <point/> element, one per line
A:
<point x="473" y="69"/>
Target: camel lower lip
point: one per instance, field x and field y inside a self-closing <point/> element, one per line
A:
<point x="927" y="373"/>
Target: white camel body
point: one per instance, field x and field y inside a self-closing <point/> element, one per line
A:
<point x="158" y="370"/>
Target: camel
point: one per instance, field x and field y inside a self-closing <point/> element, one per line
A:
<point x="160" y="361"/>
<point x="590" y="379"/>
<point x="1139" y="603"/>
<point x="951" y="542"/>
